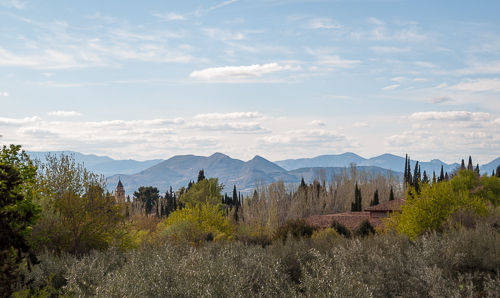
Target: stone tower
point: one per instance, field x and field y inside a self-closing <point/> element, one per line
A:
<point x="120" y="193"/>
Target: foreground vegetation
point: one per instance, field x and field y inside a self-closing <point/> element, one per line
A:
<point x="456" y="263"/>
<point x="63" y="234"/>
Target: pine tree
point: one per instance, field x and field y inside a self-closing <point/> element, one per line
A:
<point x="498" y="171"/>
<point x="441" y="176"/>
<point x="201" y="175"/>
<point x="391" y="195"/>
<point x="433" y="177"/>
<point x="477" y="170"/>
<point x="462" y="166"/>
<point x="493" y="173"/>
<point x="446" y="177"/>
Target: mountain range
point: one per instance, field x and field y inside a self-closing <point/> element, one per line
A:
<point x="101" y="164"/>
<point x="179" y="170"/>
<point x="246" y="175"/>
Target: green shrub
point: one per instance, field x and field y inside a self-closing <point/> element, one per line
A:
<point x="341" y="229"/>
<point x="365" y="229"/>
<point x="296" y="228"/>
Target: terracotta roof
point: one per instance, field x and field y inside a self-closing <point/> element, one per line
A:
<point x="351" y="220"/>
<point x="388" y="206"/>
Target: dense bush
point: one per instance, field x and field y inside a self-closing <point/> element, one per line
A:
<point x="296" y="228"/>
<point x="365" y="229"/>
<point x="434" y="205"/>
<point x="452" y="264"/>
<point x="341" y="229"/>
<point x="195" y="224"/>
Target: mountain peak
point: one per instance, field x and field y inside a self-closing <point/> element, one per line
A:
<point x="218" y="155"/>
<point x="258" y="157"/>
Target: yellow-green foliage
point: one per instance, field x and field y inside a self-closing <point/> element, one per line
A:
<point x="204" y="191"/>
<point x="195" y="223"/>
<point x="490" y="189"/>
<point x="328" y="234"/>
<point x="433" y="206"/>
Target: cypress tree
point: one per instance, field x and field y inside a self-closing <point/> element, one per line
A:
<point x="462" y="166"/>
<point x="498" y="171"/>
<point x="433" y="177"/>
<point x="391" y="195"/>
<point x="425" y="179"/>
<point x="235" y="196"/>
<point x="446" y="177"/>
<point x="493" y="173"/>
<point x="470" y="167"/>
<point x="405" y="179"/>
<point x="303" y="184"/>
<point x="441" y="176"/>
<point x="477" y="170"/>
<point x="375" y="200"/>
<point x="356" y="205"/>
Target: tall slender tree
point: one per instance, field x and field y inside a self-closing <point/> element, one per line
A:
<point x="470" y="167"/>
<point x="375" y="200"/>
<point x="356" y="206"/>
<point x="441" y="176"/>
<point x="391" y="195"/>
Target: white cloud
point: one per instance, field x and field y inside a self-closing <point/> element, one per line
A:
<point x="223" y="34"/>
<point x="64" y="114"/>
<point x="304" y="137"/>
<point x="318" y="123"/>
<point x="450" y="116"/>
<point x="231" y="126"/>
<point x="391" y="87"/>
<point x="323" y="23"/>
<point x="4" y="94"/>
<point x="360" y="124"/>
<point x="169" y="16"/>
<point x="13" y="4"/>
<point x="440" y="99"/>
<point x="398" y="79"/>
<point x="229" y="116"/>
<point x="480" y="67"/>
<point x="376" y="21"/>
<point x="388" y="50"/>
<point x="478" y="85"/>
<point x="15" y="122"/>
<point x="238" y="72"/>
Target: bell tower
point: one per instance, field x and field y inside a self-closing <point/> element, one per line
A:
<point x="120" y="193"/>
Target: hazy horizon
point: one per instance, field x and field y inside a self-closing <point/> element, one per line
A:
<point x="279" y="79"/>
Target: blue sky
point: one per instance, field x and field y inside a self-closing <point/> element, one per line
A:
<point x="281" y="79"/>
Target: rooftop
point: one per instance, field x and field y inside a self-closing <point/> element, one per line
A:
<point x="388" y="206"/>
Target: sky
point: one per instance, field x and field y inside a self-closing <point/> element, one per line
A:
<point x="280" y="79"/>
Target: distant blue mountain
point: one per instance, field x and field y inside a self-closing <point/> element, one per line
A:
<point x="340" y="160"/>
<point x="385" y="161"/>
<point x="179" y="170"/>
<point x="489" y="167"/>
<point x="102" y="164"/>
